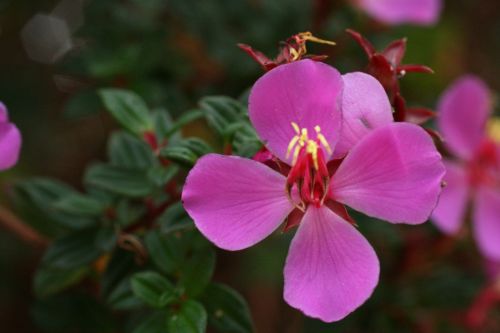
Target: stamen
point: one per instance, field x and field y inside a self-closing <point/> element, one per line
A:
<point x="296" y="128"/>
<point x="296" y="154"/>
<point x="292" y="144"/>
<point x="309" y="37"/>
<point x="325" y="144"/>
<point x="295" y="54"/>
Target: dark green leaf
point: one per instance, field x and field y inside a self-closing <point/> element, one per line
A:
<point x="166" y="251"/>
<point x="175" y="218"/>
<point x="154" y="323"/>
<point x="245" y="141"/>
<point x="221" y="112"/>
<point x="119" y="267"/>
<point x="164" y="124"/>
<point x="227" y="310"/>
<point x="122" y="297"/>
<point x="161" y="175"/>
<point x="127" y="182"/>
<point x="197" y="272"/>
<point x="191" y="318"/>
<point x="182" y="121"/>
<point x="125" y="150"/>
<point x="128" y="211"/>
<point x="36" y="199"/>
<point x="186" y="151"/>
<point x="154" y="289"/>
<point x="72" y="251"/>
<point x="128" y="109"/>
<point x="79" y="204"/>
<point x="49" y="280"/>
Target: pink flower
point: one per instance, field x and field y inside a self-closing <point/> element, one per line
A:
<point x="420" y="12"/>
<point x="473" y="175"/>
<point x="391" y="171"/>
<point x="10" y="140"/>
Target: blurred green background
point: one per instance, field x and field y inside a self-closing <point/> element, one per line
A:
<point x="174" y="52"/>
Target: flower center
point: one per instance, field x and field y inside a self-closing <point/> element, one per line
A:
<point x="309" y="172"/>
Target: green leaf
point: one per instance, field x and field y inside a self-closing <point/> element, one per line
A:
<point x="191" y="318"/>
<point x="153" y="289"/>
<point x="122" y="297"/>
<point x="245" y="142"/>
<point x="227" y="310"/>
<point x="72" y="251"/>
<point x="36" y="201"/>
<point x="154" y="323"/>
<point x="166" y="251"/>
<point x="79" y="204"/>
<point x="127" y="182"/>
<point x="197" y="271"/>
<point x="174" y="218"/>
<point x="49" y="280"/>
<point x="186" y="118"/>
<point x="165" y="127"/>
<point x="161" y="175"/>
<point x="221" y="112"/>
<point x="128" y="211"/>
<point x="128" y="109"/>
<point x="186" y="152"/>
<point x="125" y="150"/>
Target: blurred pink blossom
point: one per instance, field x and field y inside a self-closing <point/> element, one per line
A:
<point x="473" y="172"/>
<point x="390" y="171"/>
<point x="419" y="12"/>
<point x="10" y="140"/>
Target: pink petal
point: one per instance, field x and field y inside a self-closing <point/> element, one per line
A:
<point x="420" y="12"/>
<point x="486" y="217"/>
<point x="10" y="145"/>
<point x="365" y="106"/>
<point x="463" y="111"/>
<point x="235" y="202"/>
<point x="394" y="174"/>
<point x="305" y="92"/>
<point x="331" y="269"/>
<point x="449" y="214"/>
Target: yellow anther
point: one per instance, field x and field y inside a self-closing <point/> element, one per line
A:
<point x="301" y="140"/>
<point x="304" y="137"/>
<point x="493" y="129"/>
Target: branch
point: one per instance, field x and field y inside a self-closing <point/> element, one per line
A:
<point x="14" y="224"/>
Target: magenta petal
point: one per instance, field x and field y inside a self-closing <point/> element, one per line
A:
<point x="305" y="92"/>
<point x="393" y="174"/>
<point x="463" y="111"/>
<point x="235" y="202"/>
<point x="486" y="217"/>
<point x="449" y="214"/>
<point x="365" y="106"/>
<point x="331" y="269"/>
<point x="421" y="12"/>
<point x="10" y="145"/>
